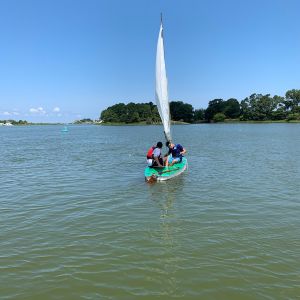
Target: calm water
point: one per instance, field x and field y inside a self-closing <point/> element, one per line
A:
<point x="78" y="221"/>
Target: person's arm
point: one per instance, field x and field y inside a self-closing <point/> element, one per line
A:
<point x="183" y="151"/>
<point x="156" y="155"/>
<point x="157" y="161"/>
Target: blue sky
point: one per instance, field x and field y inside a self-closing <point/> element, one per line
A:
<point x="69" y="59"/>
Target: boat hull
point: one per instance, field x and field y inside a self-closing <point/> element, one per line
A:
<point x="163" y="174"/>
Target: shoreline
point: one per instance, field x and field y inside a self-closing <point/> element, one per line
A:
<point x="200" y="123"/>
<point x="158" y="124"/>
<point x="139" y="123"/>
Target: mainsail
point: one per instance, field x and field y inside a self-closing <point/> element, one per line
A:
<point x="161" y="90"/>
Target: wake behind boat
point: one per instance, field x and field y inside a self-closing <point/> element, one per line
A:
<point x="163" y="106"/>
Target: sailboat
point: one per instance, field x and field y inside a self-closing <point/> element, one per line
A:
<point x="163" y="105"/>
<point x="65" y="129"/>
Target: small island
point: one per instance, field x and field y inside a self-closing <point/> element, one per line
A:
<point x="13" y="122"/>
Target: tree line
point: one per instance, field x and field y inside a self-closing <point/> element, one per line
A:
<point x="14" y="122"/>
<point x="256" y="107"/>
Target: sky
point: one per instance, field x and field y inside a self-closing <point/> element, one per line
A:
<point x="62" y="60"/>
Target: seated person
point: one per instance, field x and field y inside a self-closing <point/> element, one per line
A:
<point x="154" y="158"/>
<point x="175" y="153"/>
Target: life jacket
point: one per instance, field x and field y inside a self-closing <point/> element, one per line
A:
<point x="150" y="152"/>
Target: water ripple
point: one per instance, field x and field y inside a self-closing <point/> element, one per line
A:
<point x="78" y="221"/>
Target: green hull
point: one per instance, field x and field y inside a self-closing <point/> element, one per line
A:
<point x="162" y="174"/>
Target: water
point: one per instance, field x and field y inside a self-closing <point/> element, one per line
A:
<point x="78" y="221"/>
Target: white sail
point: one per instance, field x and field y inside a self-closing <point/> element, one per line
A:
<point x="161" y="90"/>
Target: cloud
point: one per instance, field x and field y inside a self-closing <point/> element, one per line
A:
<point x="56" y="109"/>
<point x="38" y="110"/>
<point x="9" y="113"/>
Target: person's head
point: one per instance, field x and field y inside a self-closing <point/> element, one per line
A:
<point x="159" y="145"/>
<point x="170" y="145"/>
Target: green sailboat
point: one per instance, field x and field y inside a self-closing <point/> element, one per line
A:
<point x="162" y="101"/>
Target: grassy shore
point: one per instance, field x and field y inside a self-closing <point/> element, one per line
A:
<point x="260" y="122"/>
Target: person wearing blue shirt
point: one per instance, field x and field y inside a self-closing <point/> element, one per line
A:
<point x="175" y="153"/>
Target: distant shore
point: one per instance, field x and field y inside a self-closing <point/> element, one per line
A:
<point x="144" y="123"/>
<point x="255" y="108"/>
<point x="256" y="122"/>
<point x="229" y="121"/>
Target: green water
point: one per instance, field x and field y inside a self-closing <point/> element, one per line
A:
<point x="78" y="221"/>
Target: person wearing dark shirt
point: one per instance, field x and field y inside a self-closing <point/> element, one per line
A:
<point x="175" y="153"/>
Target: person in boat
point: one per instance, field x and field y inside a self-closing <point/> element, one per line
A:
<point x="154" y="157"/>
<point x="175" y="153"/>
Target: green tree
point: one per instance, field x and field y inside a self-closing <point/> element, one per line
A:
<point x="134" y="117"/>
<point x="219" y="117"/>
<point x="293" y="116"/>
<point x="214" y="106"/>
<point x="108" y="115"/>
<point x="181" y="111"/>
<point x="259" y="107"/>
<point x="131" y="112"/>
<point x="144" y="111"/>
<point x="199" y="115"/>
<point x="155" y="115"/>
<point x="292" y="100"/>
<point x="246" y="110"/>
<point x="280" y="112"/>
<point x="232" y="108"/>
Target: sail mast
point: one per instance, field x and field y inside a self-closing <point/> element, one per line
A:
<point x="161" y="89"/>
